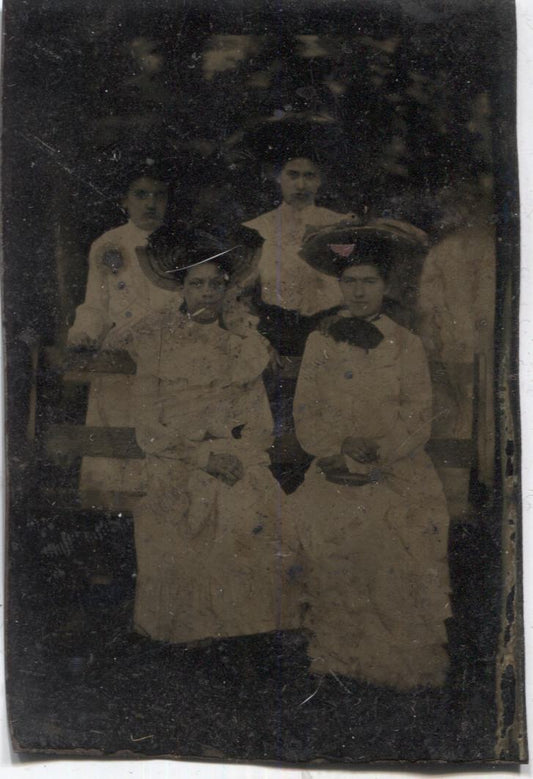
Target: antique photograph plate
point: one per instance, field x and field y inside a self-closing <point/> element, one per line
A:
<point x="260" y="304"/>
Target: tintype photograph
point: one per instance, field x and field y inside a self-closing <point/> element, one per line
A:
<point x="260" y="293"/>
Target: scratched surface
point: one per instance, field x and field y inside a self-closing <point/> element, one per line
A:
<point x="388" y="116"/>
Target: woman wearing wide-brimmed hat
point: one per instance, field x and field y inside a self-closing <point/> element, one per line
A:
<point x="206" y="533"/>
<point x="371" y="515"/>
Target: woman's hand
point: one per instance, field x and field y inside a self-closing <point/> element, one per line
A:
<point x="118" y="340"/>
<point x="226" y="467"/>
<point x="362" y="450"/>
<point x="275" y="359"/>
<point x="334" y="463"/>
<point x="82" y="341"/>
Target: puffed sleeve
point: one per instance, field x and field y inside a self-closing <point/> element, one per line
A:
<point x="412" y="427"/>
<point x="435" y="318"/>
<point x="250" y="355"/>
<point x="318" y="424"/>
<point x="92" y="317"/>
<point x="251" y="413"/>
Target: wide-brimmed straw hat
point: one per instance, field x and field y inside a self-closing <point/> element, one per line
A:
<point x="334" y="248"/>
<point x="170" y="254"/>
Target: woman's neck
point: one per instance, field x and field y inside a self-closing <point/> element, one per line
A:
<point x="347" y="314"/>
<point x="195" y="318"/>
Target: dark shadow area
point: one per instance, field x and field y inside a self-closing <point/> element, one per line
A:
<point x="78" y="679"/>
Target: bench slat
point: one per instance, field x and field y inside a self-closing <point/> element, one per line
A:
<point x="84" y="363"/>
<point x="451" y="452"/>
<point x="83" y="441"/>
<point x="120" y="442"/>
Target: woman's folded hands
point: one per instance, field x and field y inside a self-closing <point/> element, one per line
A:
<point x="353" y="465"/>
<point x="226" y="467"/>
<point x="362" y="450"/>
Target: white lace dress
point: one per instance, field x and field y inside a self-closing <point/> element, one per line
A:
<point x="208" y="554"/>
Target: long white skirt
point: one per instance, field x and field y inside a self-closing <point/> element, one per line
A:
<point x="375" y="575"/>
<point x="210" y="558"/>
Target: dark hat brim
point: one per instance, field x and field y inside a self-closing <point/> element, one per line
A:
<point x="277" y="141"/>
<point x="382" y="244"/>
<point x="170" y="256"/>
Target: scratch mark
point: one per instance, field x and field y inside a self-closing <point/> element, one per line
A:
<point x="312" y="694"/>
<point x="339" y="681"/>
<point x="420" y="427"/>
<point x="201" y="262"/>
<point x="54" y="154"/>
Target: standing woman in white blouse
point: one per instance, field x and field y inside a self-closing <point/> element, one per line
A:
<point x="371" y="515"/>
<point x="118" y="295"/>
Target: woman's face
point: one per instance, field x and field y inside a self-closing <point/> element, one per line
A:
<point x="146" y="203"/>
<point x="203" y="290"/>
<point x="363" y="289"/>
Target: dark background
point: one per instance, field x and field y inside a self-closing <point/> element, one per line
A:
<point x="421" y="98"/>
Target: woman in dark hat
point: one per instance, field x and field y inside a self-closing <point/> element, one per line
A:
<point x="206" y="532"/>
<point x="371" y="516"/>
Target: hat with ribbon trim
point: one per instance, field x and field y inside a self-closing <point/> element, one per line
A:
<point x="382" y="242"/>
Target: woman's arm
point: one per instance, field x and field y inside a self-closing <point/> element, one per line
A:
<point x="318" y="424"/>
<point x="92" y="320"/>
<point x="254" y="427"/>
<point x="249" y="356"/>
<point x="152" y="435"/>
<point x="412" y="427"/>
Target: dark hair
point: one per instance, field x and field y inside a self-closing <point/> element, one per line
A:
<point x="383" y="265"/>
<point x="222" y="268"/>
<point x="128" y="177"/>
<point x="278" y="166"/>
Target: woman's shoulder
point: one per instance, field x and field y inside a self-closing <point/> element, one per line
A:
<point x="244" y="337"/>
<point x="395" y="333"/>
<point x="392" y="327"/>
<point x="263" y="223"/>
<point x="328" y="217"/>
<point x="110" y="252"/>
<point x="113" y="235"/>
<point x="319" y="342"/>
<point x="320" y="335"/>
<point x="166" y="318"/>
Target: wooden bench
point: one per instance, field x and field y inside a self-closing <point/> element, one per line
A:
<point x="69" y="443"/>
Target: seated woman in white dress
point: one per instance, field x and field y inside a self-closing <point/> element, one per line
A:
<point x="371" y="516"/>
<point x="207" y="533"/>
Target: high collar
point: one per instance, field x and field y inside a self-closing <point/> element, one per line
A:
<point x="176" y="314"/>
<point x="344" y="313"/>
<point x="137" y="236"/>
<point x="290" y="212"/>
<point x="361" y="332"/>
